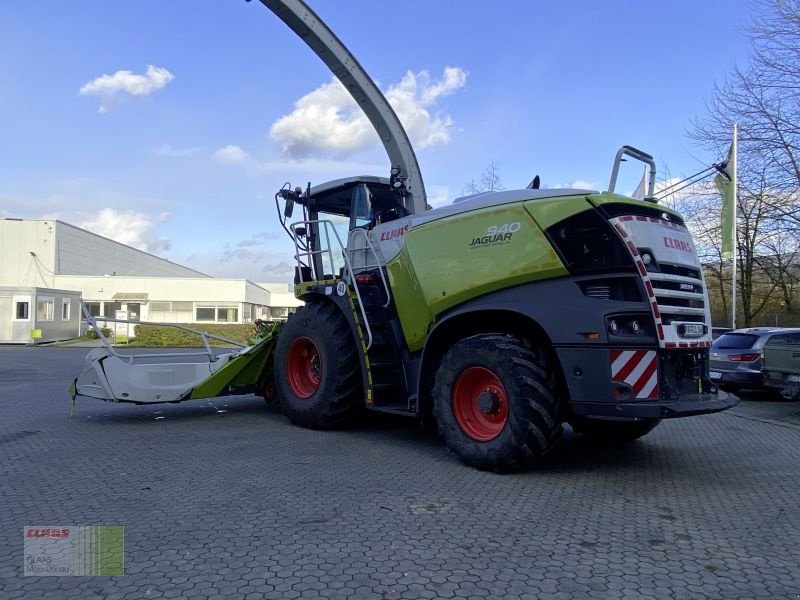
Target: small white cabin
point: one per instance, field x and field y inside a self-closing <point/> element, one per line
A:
<point x="31" y="315"/>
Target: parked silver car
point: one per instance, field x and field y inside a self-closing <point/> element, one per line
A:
<point x="737" y="357"/>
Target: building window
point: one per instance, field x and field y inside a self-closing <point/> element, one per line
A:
<point x="160" y="306"/>
<point x="22" y="311"/>
<point x="66" y="304"/>
<point x="227" y="315"/>
<point x="45" y="307"/>
<point x="204" y="314"/>
<point x="93" y="308"/>
<point x="216" y="314"/>
<point x="110" y="309"/>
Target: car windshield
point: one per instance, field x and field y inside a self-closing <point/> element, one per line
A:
<point x="740" y="341"/>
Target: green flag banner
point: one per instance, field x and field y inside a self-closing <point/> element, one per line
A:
<point x="726" y="184"/>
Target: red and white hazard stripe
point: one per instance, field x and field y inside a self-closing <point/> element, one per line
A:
<point x="640" y="266"/>
<point x="638" y="369"/>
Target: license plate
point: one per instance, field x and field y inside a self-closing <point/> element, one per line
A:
<point x="794" y="378"/>
<point x="691" y="330"/>
<point x="715" y="375"/>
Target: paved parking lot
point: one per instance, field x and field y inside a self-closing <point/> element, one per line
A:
<point x="224" y="499"/>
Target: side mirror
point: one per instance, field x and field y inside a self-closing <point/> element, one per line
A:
<point x="288" y="207"/>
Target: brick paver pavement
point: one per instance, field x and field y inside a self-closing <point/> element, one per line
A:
<point x="225" y="499"/>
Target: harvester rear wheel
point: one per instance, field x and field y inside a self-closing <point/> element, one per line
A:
<point x="497" y="402"/>
<point x="317" y="373"/>
<point x="612" y="433"/>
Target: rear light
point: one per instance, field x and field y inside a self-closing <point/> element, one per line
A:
<point x="744" y="357"/>
<point x="366" y="279"/>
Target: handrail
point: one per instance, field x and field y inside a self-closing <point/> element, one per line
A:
<point x="377" y="264"/>
<point x="326" y="223"/>
<point x="638" y="155"/>
<point x="204" y="336"/>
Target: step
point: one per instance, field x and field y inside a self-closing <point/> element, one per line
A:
<point x="395" y="409"/>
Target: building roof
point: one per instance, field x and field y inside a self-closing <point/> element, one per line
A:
<point x="102" y="237"/>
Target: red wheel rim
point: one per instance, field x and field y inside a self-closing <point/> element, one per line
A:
<point x="480" y="404"/>
<point x="303" y="368"/>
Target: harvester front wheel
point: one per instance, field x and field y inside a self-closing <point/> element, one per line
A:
<point x="497" y="402"/>
<point x="612" y="433"/>
<point x="317" y="376"/>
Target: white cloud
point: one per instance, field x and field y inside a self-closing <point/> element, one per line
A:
<point x="328" y="119"/>
<point x="167" y="150"/>
<point x="128" y="227"/>
<point x="232" y="155"/>
<point x="582" y="184"/>
<point x="668" y="183"/>
<point x="439" y="195"/>
<point x="236" y="155"/>
<point x="273" y="264"/>
<point x="258" y="239"/>
<point x="578" y="184"/>
<point x="110" y="87"/>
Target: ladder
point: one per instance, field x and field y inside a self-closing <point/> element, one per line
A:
<point x="304" y="256"/>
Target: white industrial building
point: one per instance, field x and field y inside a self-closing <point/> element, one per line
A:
<point x="53" y="259"/>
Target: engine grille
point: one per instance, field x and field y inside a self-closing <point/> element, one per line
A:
<point x="679" y="298"/>
<point x="599" y="292"/>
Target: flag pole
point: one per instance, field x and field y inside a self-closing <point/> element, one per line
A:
<point x="735" y="248"/>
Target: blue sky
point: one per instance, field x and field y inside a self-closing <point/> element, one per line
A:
<point x="188" y="167"/>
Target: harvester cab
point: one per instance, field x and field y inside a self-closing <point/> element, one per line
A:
<point x="502" y="316"/>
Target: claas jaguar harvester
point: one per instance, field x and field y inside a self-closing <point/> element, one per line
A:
<point x="502" y="316"/>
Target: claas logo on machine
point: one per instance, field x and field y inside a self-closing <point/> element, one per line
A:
<point x="496" y="235"/>
<point x="677" y="244"/>
<point x="394" y="233"/>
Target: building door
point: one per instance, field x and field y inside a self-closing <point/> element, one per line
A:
<point x="134" y="311"/>
<point x="6" y="315"/>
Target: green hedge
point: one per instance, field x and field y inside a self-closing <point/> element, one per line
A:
<point x="158" y="335"/>
<point x="92" y="334"/>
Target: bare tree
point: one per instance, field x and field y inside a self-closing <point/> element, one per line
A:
<point x="489" y="181"/>
<point x="763" y="98"/>
<point x="756" y="226"/>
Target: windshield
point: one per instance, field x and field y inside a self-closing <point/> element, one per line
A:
<point x="740" y="341"/>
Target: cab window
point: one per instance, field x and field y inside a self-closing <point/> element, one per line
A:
<point x="361" y="210"/>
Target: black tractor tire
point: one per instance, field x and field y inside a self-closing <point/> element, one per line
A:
<point x="317" y="371"/>
<point x="498" y="402"/>
<point x="612" y="433"/>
